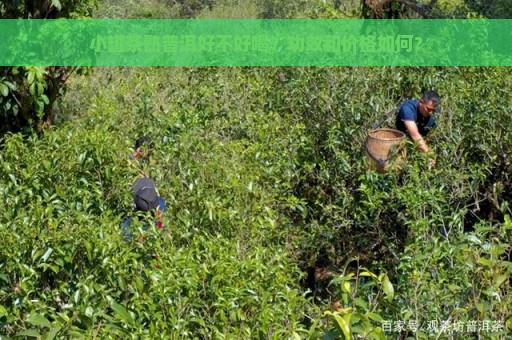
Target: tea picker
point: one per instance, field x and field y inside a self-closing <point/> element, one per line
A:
<point x="146" y="197"/>
<point x="416" y="117"/>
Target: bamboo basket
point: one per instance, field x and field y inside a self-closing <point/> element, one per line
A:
<point x="385" y="149"/>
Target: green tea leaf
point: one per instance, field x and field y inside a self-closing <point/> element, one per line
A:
<point x="30" y="77"/>
<point x="30" y="332"/>
<point x="377" y="334"/>
<point x="45" y="99"/>
<point x="4" y="90"/>
<point x="89" y="311"/>
<point x="122" y="313"/>
<point x="375" y="317"/>
<point x="3" y="310"/>
<point x="368" y="274"/>
<point x="500" y="279"/>
<point x="32" y="89"/>
<point x="39" y="320"/>
<point x="485" y="262"/>
<point x="361" y="303"/>
<point x="53" y="333"/>
<point x="388" y="288"/>
<point x="341" y="323"/>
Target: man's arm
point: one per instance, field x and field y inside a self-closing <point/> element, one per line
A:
<point x="412" y="128"/>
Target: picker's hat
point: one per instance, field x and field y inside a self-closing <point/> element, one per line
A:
<point x="146" y="196"/>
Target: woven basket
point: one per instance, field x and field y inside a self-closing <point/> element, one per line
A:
<point x="385" y="149"/>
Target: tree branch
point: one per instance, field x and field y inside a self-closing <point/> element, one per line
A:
<point x="424" y="11"/>
<point x="432" y="4"/>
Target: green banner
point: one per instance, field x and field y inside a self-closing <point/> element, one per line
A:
<point x="292" y="42"/>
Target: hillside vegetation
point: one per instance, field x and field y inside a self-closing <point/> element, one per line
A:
<point x="276" y="228"/>
<point x="266" y="181"/>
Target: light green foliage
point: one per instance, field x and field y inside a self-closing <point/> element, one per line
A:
<point x="232" y="9"/>
<point x="361" y="293"/>
<point x="264" y="177"/>
<point x="220" y="267"/>
<point x="228" y="9"/>
<point x="147" y="9"/>
<point x="496" y="9"/>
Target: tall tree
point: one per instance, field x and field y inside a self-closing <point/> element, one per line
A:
<point x="28" y="94"/>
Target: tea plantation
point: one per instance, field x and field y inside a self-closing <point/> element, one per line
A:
<point x="266" y="181"/>
<point x="275" y="227"/>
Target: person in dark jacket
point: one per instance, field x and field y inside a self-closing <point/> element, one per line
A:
<point x="145" y="198"/>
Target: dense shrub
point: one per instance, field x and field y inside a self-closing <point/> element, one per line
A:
<point x="273" y="215"/>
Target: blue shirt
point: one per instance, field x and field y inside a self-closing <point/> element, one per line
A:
<point x="410" y="111"/>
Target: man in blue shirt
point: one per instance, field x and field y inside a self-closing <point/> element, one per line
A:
<point x="415" y="117"/>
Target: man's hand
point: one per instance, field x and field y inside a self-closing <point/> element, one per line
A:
<point x="412" y="128"/>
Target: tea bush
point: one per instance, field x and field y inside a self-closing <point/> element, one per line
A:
<point x="220" y="267"/>
<point x="273" y="216"/>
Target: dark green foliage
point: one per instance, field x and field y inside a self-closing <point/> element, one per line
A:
<point x="46" y="9"/>
<point x="273" y="216"/>
<point x="496" y="9"/>
<point x="265" y="180"/>
<point x="28" y="94"/>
